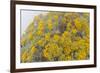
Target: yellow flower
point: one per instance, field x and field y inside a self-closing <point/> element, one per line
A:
<point x="68" y="26"/>
<point x="51" y="51"/>
<point x="47" y="36"/>
<point x="75" y="46"/>
<point x="74" y="31"/>
<point x="56" y="37"/>
<point x="23" y="41"/>
<point x="41" y="26"/>
<point x="56" y="17"/>
<point x="69" y="57"/>
<point x="65" y="34"/>
<point x="62" y="40"/>
<point x="67" y="51"/>
<point x="24" y="56"/>
<point x="30" y="57"/>
<point x="39" y="33"/>
<point x="30" y="36"/>
<point x="87" y="46"/>
<point x="81" y="55"/>
<point x="33" y="50"/>
<point x="45" y="53"/>
<point x="78" y="23"/>
<point x="41" y="42"/>
<point x="50" y="26"/>
<point x="81" y="42"/>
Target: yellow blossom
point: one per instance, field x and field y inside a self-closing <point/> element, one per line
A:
<point x="50" y="26"/>
<point x="39" y="33"/>
<point x="30" y="36"/>
<point x="23" y="41"/>
<point x="30" y="57"/>
<point x="56" y="17"/>
<point x="47" y="36"/>
<point x="78" y="23"/>
<point x="65" y="34"/>
<point x="67" y="50"/>
<point x="56" y="37"/>
<point x="24" y="56"/>
<point x="51" y="50"/>
<point x="41" y="26"/>
<point x="74" y="31"/>
<point x="81" y="55"/>
<point x="33" y="50"/>
<point x="69" y="57"/>
<point x="41" y="42"/>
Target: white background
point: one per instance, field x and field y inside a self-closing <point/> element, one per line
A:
<point x="5" y="36"/>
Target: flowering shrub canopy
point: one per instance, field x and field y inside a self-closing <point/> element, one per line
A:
<point x="56" y="36"/>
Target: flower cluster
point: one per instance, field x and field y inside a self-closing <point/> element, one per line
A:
<point x="56" y="36"/>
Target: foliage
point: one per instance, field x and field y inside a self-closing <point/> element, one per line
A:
<point x="56" y="36"/>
